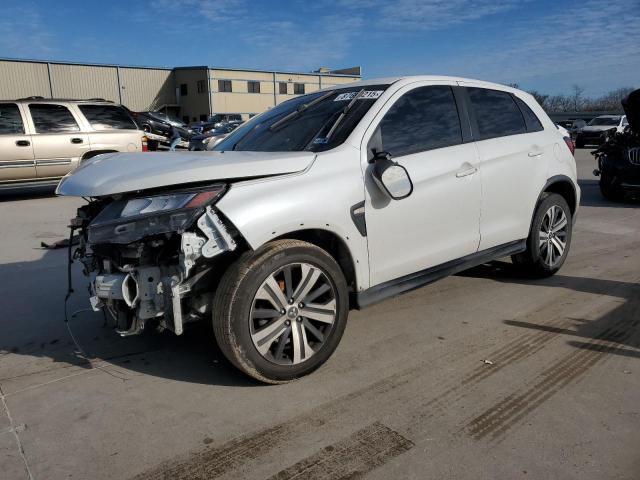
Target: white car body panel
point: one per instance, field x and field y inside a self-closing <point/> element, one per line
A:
<point x="128" y="172"/>
<point x="320" y="198"/>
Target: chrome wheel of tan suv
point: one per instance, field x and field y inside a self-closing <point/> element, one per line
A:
<point x="293" y="312"/>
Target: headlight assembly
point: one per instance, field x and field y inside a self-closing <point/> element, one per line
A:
<point x="127" y="220"/>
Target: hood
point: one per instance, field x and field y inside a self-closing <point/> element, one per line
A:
<point x="114" y="173"/>
<point x="631" y="106"/>
<point x="597" y="128"/>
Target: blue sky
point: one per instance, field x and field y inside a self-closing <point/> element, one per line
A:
<point x="543" y="45"/>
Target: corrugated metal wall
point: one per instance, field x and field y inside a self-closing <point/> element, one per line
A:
<point x="22" y="79"/>
<point x="147" y="88"/>
<point x="84" y="81"/>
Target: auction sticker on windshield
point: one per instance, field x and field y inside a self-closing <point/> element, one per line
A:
<point x="366" y="95"/>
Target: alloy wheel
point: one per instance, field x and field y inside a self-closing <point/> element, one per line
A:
<point x="553" y="235"/>
<point x="293" y="313"/>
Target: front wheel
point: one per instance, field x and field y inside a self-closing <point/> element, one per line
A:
<point x="280" y="311"/>
<point x="549" y="240"/>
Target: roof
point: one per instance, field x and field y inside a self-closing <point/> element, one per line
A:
<point x="70" y="100"/>
<point x="404" y="80"/>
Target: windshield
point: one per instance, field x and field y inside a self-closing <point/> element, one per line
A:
<point x="315" y="122"/>
<point x="605" y="121"/>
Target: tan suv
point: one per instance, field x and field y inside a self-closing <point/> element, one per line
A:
<point x="42" y="140"/>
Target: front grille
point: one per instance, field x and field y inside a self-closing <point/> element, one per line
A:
<point x="634" y="155"/>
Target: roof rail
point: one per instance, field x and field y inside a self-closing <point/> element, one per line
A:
<point x="33" y="97"/>
<point x="38" y="97"/>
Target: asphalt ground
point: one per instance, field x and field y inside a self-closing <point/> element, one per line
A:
<point x="485" y="374"/>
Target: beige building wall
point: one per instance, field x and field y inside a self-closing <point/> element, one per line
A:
<point x="142" y="89"/>
<point x="239" y="100"/>
<point x="23" y="79"/>
<point x="84" y="81"/>
<point x="194" y="104"/>
<point x="147" y="88"/>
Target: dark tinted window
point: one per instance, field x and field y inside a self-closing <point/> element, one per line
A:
<point x="10" y="119"/>
<point x="107" y="117"/>
<point x="201" y="86"/>
<point x="183" y="89"/>
<point x="224" y="85"/>
<point x="530" y="118"/>
<point x="282" y="88"/>
<point x="496" y="112"/>
<point x="298" y="88"/>
<point x="48" y="118"/>
<point x="422" y="119"/>
<point x="253" y="87"/>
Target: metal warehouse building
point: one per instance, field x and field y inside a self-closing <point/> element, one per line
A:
<point x="192" y="93"/>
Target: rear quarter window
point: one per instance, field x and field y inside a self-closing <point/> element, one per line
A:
<point x="108" y="117"/>
<point x="10" y="119"/>
<point x="531" y="120"/>
<point x="496" y="113"/>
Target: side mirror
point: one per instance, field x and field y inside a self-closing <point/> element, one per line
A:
<point x="392" y="178"/>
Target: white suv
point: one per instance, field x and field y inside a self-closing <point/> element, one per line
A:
<point x="327" y="202"/>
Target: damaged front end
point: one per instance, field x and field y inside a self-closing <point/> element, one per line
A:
<point x="154" y="258"/>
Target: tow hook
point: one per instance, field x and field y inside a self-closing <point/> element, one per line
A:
<point x="596" y="172"/>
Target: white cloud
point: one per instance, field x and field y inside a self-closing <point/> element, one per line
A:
<point x="26" y="38"/>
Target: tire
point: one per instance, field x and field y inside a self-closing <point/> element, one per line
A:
<point x="609" y="189"/>
<point x="536" y="260"/>
<point x="246" y="305"/>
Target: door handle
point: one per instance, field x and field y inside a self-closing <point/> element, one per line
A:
<point x="76" y="140"/>
<point x="23" y="143"/>
<point x="466" y="172"/>
<point x="535" y="154"/>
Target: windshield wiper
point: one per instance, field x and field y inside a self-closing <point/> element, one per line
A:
<point x="299" y="110"/>
<point x="343" y="114"/>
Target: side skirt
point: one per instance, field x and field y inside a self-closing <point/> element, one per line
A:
<point x="415" y="280"/>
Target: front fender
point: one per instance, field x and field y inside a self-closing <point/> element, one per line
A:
<point x="317" y="198"/>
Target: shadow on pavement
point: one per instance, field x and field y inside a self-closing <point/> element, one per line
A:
<point x="27" y="193"/>
<point x="35" y="341"/>
<point x="620" y="326"/>
<point x="591" y="197"/>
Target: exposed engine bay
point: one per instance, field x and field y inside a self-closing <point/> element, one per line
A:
<point x="154" y="259"/>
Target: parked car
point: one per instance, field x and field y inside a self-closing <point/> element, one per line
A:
<point x="216" y="121"/>
<point x="210" y="139"/>
<point x="618" y="159"/>
<point x="576" y="126"/>
<point x="159" y="123"/>
<point x="43" y="140"/>
<point x="595" y="132"/>
<point x="329" y="201"/>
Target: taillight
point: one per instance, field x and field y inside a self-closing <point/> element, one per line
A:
<point x="145" y="147"/>
<point x="570" y="144"/>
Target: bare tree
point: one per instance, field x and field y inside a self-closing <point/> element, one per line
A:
<point x="577" y="97"/>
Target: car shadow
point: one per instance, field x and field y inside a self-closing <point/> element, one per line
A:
<point x="591" y="197"/>
<point x="620" y="327"/>
<point x="33" y="327"/>
<point x="26" y="193"/>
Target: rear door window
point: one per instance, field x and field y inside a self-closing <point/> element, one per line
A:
<point x="422" y="119"/>
<point x="108" y="117"/>
<point x="496" y="113"/>
<point x="10" y="119"/>
<point x="50" y="118"/>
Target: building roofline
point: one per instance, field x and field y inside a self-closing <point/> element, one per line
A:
<point x="195" y="67"/>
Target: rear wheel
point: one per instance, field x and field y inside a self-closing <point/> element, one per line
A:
<point x="549" y="239"/>
<point x="280" y="311"/>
